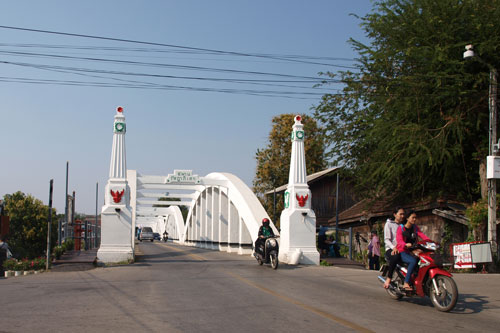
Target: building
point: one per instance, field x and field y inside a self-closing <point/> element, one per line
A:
<point x="438" y="219"/>
<point x="323" y="187"/>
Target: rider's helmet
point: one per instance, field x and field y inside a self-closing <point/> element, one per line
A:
<point x="265" y="222"/>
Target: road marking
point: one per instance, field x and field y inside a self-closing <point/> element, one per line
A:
<point x="317" y="311"/>
<point x="194" y="256"/>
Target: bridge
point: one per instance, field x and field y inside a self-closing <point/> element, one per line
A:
<point x="222" y="211"/>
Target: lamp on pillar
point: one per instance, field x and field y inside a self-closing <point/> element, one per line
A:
<point x="492" y="160"/>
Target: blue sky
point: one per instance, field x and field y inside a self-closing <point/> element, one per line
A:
<point x="44" y="125"/>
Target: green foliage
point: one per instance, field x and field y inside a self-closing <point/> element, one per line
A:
<point x="325" y="263"/>
<point x="344" y="251"/>
<point x="10" y="264"/>
<point x="273" y="162"/>
<point x="447" y="238"/>
<point x="68" y="245"/>
<point x="57" y="251"/>
<point x="24" y="264"/>
<point x="379" y="226"/>
<point x="184" y="209"/>
<point x="28" y="225"/>
<point x="478" y="219"/>
<point x="412" y="121"/>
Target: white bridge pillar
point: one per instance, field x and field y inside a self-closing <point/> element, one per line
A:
<point x="298" y="221"/>
<point x="116" y="216"/>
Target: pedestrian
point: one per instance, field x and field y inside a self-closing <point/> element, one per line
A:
<point x="4" y="252"/>
<point x="374" y="251"/>
<point x="322" y="244"/>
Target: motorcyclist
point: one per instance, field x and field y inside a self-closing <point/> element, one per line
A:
<point x="407" y="237"/>
<point x="265" y="231"/>
<point x="165" y="235"/>
<point x="391" y="252"/>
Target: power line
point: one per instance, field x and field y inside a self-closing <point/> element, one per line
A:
<point x="214" y="51"/>
<point x="137" y="63"/>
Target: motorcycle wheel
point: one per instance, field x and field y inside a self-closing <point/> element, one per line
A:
<point x="448" y="293"/>
<point x="274" y="260"/>
<point x="259" y="260"/>
<point x="397" y="283"/>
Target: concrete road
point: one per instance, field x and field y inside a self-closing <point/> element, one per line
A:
<point x="182" y="289"/>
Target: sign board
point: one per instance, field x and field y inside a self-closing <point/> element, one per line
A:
<point x="182" y="177"/>
<point x="481" y="253"/>
<point x="493" y="167"/>
<point x="462" y="255"/>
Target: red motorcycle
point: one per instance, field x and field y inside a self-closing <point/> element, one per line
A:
<point x="430" y="279"/>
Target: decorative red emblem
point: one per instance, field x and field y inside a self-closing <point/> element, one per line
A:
<point x="117" y="196"/>
<point x="119" y="109"/>
<point x="301" y="199"/>
<point x="298" y="118"/>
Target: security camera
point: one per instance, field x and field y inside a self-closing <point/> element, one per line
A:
<point x="117" y="210"/>
<point x="304" y="214"/>
<point x="469" y="52"/>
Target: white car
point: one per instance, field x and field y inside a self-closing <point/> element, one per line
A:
<point x="146" y="234"/>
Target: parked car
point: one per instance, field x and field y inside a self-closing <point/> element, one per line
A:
<point x="156" y="236"/>
<point x="146" y="234"/>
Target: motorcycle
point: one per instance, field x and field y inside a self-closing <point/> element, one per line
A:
<point x="165" y="238"/>
<point x="271" y="251"/>
<point x="430" y="279"/>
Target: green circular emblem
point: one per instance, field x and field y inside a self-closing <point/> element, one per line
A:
<point x="119" y="127"/>
<point x="300" y="135"/>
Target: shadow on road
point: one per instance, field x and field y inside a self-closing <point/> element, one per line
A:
<point x="466" y="304"/>
<point x="471" y="303"/>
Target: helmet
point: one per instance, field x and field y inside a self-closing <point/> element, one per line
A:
<point x="265" y="220"/>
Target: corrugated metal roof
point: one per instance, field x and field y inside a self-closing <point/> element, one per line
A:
<point x="311" y="178"/>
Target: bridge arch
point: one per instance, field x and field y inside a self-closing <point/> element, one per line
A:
<point x="223" y="212"/>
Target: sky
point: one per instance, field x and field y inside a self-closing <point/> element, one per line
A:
<point x="199" y="81"/>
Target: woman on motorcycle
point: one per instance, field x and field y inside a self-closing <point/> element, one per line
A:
<point x="391" y="252"/>
<point x="407" y="236"/>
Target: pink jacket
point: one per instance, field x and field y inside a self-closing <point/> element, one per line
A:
<point x="401" y="242"/>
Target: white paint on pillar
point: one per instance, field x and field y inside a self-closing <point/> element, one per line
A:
<point x="245" y="239"/>
<point x="203" y="222"/>
<point x="215" y="217"/>
<point x="132" y="183"/>
<point x="298" y="221"/>
<point x="210" y="219"/>
<point x="224" y="221"/>
<point x="234" y="228"/>
<point x="117" y="243"/>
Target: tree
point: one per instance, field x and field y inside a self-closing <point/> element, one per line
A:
<point x="184" y="209"/>
<point x="28" y="225"/>
<point x="273" y="162"/>
<point x="412" y="121"/>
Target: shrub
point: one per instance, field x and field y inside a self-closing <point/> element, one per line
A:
<point x="324" y="263"/>
<point x="25" y="265"/>
<point x="68" y="245"/>
<point x="39" y="263"/>
<point x="10" y="264"/>
<point x="57" y="251"/>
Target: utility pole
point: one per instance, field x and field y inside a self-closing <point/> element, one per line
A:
<point x="492" y="146"/>
<point x="96" y="205"/>
<point x="49" y="224"/>
<point x="337" y="210"/>
<point x="65" y="207"/>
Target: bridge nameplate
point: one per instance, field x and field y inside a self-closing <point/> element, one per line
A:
<point x="182" y="177"/>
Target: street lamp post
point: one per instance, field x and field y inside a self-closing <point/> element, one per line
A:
<point x="492" y="146"/>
